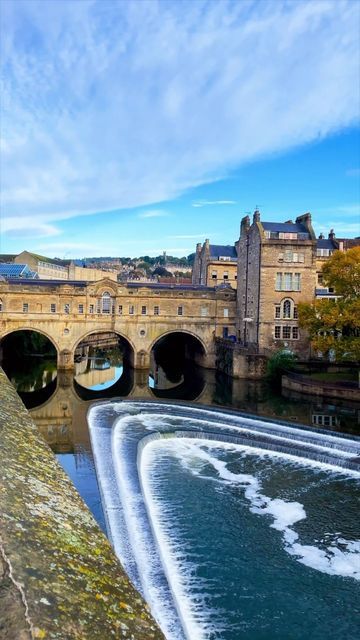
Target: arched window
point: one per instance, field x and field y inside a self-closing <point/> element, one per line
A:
<point x="287" y="309"/>
<point x="105" y="302"/>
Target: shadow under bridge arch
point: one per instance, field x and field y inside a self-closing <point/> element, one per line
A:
<point x="176" y="361"/>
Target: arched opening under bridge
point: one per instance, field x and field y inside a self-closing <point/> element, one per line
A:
<point x="103" y="365"/>
<point x="175" y="366"/>
<point x="29" y="359"/>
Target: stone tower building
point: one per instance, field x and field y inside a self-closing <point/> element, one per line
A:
<point x="276" y="270"/>
<point x="215" y="264"/>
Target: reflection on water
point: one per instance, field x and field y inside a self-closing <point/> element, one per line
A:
<point x="32" y="373"/>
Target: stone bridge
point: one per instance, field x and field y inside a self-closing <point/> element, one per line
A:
<point x="68" y="312"/>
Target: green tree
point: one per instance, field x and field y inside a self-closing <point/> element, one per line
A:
<point x="342" y="272"/>
<point x="334" y="325"/>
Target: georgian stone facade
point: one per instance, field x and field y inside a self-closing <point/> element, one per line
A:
<point x="276" y="270"/>
<point x="68" y="312"/>
<point x="214" y="265"/>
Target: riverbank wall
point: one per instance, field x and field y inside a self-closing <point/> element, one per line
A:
<point x="59" y="576"/>
<point x="238" y="361"/>
<point x="309" y="386"/>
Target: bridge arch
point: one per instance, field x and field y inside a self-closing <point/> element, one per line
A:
<point x="33" y="329"/>
<point x="118" y="333"/>
<point x="181" y="331"/>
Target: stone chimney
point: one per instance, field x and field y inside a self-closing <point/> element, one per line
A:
<point x="332" y="234"/>
<point x="256" y="216"/>
<point x="305" y="219"/>
<point x="321" y="236"/>
<point x="244" y="226"/>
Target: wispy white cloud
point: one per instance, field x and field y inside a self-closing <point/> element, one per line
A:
<point x="24" y="226"/>
<point x="154" y="213"/>
<point x="206" y="203"/>
<point x="116" y="105"/>
<point x="341" y="228"/>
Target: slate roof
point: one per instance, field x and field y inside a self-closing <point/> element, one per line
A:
<point x="226" y="251"/>
<point x="285" y="227"/>
<point x="12" y="270"/>
<point x="325" y="243"/>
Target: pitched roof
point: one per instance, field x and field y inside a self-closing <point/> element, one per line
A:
<point x="285" y="227"/>
<point x="7" y="257"/>
<point x="225" y="251"/>
<point x="325" y="243"/>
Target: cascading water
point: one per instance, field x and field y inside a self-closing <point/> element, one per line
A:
<point x="231" y="527"/>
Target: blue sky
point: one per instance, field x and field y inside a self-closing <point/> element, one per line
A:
<point x="129" y="128"/>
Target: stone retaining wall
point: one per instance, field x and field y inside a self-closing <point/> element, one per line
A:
<point x="59" y="576"/>
<point x="318" y="388"/>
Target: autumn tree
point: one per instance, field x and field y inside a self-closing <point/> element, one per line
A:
<point x="334" y="325"/>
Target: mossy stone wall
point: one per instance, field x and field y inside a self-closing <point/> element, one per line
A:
<point x="57" y="569"/>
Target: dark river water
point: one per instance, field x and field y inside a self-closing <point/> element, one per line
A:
<point x="225" y="539"/>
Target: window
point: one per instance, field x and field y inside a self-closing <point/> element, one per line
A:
<point x="226" y="313"/>
<point x="322" y="253"/>
<point x="53" y="307"/>
<point x="1" y="305"/>
<point x="67" y="308"/>
<point x="225" y="332"/>
<point x="214" y="275"/>
<point x="286" y="333"/>
<point x="105" y="302"/>
<point x="180" y="311"/>
<point x="288" y="281"/>
<point x="131" y="309"/>
<point x="81" y="308"/>
<point x="25" y="307"/>
<point x="120" y="309"/>
<point x="277" y="311"/>
<point x="156" y="311"/>
<point x="143" y="310"/>
<point x="295" y="314"/>
<point x="287" y="309"/>
<point x="91" y="308"/>
<point x="226" y="275"/>
<point x="204" y="311"/>
<point x="287" y="286"/>
<point x="290" y="256"/>
<point x="320" y="278"/>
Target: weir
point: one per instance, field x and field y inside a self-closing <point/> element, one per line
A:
<point x="122" y="432"/>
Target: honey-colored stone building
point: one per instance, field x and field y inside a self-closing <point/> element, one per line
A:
<point x="276" y="270"/>
<point x="215" y="264"/>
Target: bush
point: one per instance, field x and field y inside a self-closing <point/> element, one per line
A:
<point x="278" y="364"/>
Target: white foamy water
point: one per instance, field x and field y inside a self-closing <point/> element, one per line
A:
<point x="331" y="560"/>
<point x="149" y="545"/>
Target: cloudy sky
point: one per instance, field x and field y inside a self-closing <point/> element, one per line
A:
<point x="129" y="128"/>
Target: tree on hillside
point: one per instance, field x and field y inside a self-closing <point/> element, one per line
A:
<point x="162" y="272"/>
<point x="334" y="325"/>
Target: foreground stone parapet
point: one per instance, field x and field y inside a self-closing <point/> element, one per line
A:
<point x="59" y="576"/>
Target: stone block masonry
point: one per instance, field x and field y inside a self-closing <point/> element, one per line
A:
<point x="59" y="576"/>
